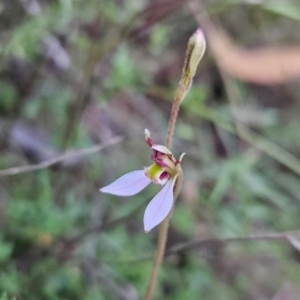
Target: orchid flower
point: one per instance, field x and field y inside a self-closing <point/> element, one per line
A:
<point x="164" y="172"/>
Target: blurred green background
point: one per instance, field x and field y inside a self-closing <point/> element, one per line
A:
<point x="74" y="74"/>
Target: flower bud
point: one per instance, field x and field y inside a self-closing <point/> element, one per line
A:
<point x="195" y="50"/>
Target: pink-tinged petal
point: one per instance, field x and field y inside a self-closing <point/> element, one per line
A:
<point x="159" y="207"/>
<point x="128" y="184"/>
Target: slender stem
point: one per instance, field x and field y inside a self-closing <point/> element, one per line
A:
<point x="194" y="52"/>
<point x="159" y="254"/>
<point x="161" y="243"/>
<point x="163" y="228"/>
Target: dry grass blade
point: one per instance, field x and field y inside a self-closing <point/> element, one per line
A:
<point x="265" y="65"/>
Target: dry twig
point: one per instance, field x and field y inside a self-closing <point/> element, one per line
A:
<point x="288" y="236"/>
<point x="59" y="158"/>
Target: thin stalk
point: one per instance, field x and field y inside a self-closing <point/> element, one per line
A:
<point x="195" y="50"/>
<point x="163" y="228"/>
<point x="173" y="116"/>
<point x="161" y="244"/>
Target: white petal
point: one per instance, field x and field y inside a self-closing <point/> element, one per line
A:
<point x="128" y="184"/>
<point x="159" y="207"/>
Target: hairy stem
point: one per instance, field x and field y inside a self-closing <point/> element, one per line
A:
<point x="179" y="95"/>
